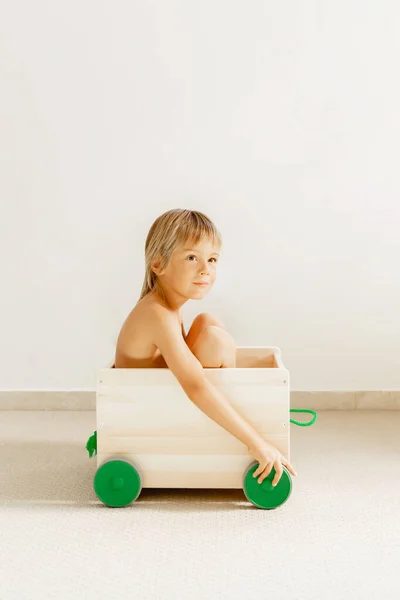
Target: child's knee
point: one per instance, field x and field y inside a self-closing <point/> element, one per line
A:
<point x="215" y="347"/>
<point x="207" y="320"/>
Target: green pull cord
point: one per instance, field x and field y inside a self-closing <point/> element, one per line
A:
<point x="303" y="410"/>
<point x="91" y="445"/>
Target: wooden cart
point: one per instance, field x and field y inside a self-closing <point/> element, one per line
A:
<point x="151" y="435"/>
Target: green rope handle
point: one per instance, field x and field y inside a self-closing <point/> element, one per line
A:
<point x="91" y="444"/>
<point x="303" y="410"/>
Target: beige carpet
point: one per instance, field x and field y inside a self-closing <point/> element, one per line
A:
<point x="337" y="537"/>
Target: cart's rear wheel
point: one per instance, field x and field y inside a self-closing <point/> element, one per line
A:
<point x="117" y="483"/>
<point x="264" y="495"/>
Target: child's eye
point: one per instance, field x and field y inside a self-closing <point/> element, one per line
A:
<point x="195" y="257"/>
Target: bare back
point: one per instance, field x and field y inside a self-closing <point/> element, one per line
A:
<point x="135" y="346"/>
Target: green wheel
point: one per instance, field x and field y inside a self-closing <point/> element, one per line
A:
<point x="117" y="483"/>
<point x="264" y="495"/>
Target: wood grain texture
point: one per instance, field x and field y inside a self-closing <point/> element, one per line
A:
<point x="144" y="416"/>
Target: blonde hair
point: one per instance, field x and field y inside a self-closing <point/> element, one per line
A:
<point x="168" y="232"/>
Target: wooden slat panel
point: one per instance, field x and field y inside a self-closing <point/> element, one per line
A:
<point x="188" y="471"/>
<point x="178" y="445"/>
<point x="174" y="414"/>
<point x="127" y="378"/>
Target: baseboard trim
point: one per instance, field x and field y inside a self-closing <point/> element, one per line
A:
<point x="86" y="400"/>
<point x="47" y="400"/>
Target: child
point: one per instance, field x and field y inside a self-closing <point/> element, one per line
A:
<point x="181" y="253"/>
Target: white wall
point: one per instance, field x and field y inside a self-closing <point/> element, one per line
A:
<point x="279" y="120"/>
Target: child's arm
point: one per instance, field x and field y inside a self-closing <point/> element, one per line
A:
<point x="189" y="372"/>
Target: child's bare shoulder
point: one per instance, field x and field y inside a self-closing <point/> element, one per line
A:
<point x="141" y="316"/>
<point x="135" y="342"/>
<point x="136" y="338"/>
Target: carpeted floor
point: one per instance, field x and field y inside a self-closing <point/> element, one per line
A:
<point x="337" y="536"/>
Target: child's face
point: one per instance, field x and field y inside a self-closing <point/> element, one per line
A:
<point x="190" y="266"/>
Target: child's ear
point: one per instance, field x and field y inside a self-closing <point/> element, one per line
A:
<point x="156" y="268"/>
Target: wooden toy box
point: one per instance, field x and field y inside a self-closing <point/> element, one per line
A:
<point x="145" y="417"/>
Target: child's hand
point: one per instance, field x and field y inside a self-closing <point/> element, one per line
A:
<point x="268" y="457"/>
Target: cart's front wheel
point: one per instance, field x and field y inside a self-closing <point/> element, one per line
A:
<point x="264" y="495"/>
<point x="117" y="483"/>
